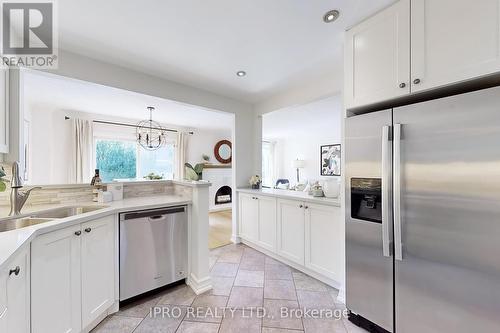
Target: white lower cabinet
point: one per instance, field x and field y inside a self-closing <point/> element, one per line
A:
<point x="324" y="240"/>
<point x="258" y="220"/>
<point x="97" y="262"/>
<point x="291" y="230"/>
<point x="308" y="234"/>
<point x="15" y="294"/>
<point x="56" y="281"/>
<point x="72" y="278"/>
<point x="249" y="215"/>
<point x="267" y="223"/>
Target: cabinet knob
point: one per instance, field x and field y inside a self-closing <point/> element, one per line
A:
<point x="301" y="206"/>
<point x="306" y="207"/>
<point x="78" y="233"/>
<point x="402" y="85"/>
<point x="88" y="229"/>
<point x="15" y="271"/>
<point x="416" y="81"/>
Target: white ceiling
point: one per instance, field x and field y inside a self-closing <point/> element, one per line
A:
<point x="319" y="118"/>
<point x="51" y="92"/>
<point x="202" y="43"/>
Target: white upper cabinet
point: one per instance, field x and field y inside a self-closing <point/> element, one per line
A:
<point x="452" y="41"/>
<point x="377" y="57"/>
<point x="4" y="110"/>
<point x="419" y="45"/>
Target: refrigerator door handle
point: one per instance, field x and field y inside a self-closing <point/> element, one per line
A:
<point x="398" y="246"/>
<point x="386" y="191"/>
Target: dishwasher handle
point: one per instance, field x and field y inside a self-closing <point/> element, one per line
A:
<point x="152" y="214"/>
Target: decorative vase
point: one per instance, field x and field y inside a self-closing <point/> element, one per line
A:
<point x="331" y="188"/>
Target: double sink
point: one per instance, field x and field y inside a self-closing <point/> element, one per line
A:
<point x="45" y="216"/>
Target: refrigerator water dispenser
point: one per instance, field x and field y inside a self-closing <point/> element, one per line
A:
<point x="366" y="199"/>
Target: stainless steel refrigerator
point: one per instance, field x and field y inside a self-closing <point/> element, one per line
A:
<point x="423" y="215"/>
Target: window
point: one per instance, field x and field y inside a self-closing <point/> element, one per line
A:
<point x="160" y="162"/>
<point x="267" y="164"/>
<point x="125" y="159"/>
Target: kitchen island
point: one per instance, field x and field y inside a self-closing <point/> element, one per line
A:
<point x="75" y="260"/>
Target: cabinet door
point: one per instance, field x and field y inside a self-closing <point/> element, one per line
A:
<point x="98" y="269"/>
<point x="4" y="110"/>
<point x="291" y="230"/>
<point x="267" y="222"/>
<point x="4" y="273"/>
<point x="377" y="57"/>
<point x="324" y="241"/>
<point x="55" y="282"/>
<point x="18" y="293"/>
<point x="453" y="41"/>
<point x="249" y="215"/>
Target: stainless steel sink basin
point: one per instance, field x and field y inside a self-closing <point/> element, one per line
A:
<point x="12" y="224"/>
<point x="46" y="216"/>
<point x="60" y="213"/>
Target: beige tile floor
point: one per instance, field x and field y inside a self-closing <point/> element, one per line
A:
<point x="242" y="278"/>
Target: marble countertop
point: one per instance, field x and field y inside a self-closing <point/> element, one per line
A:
<point x="12" y="241"/>
<point x="292" y="195"/>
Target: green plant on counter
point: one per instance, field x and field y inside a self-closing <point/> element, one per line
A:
<point x="3" y="181"/>
<point x="194" y="173"/>
<point x="153" y="176"/>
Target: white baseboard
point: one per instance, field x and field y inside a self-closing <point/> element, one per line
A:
<point x="341" y="295"/>
<point x="199" y="286"/>
<point x="235" y="239"/>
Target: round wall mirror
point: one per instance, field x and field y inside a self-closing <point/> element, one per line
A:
<point x="222" y="151"/>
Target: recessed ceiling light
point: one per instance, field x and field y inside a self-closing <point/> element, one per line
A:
<point x="241" y="73"/>
<point x="331" y="16"/>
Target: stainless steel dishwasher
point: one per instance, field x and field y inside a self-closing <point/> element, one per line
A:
<point x="153" y="249"/>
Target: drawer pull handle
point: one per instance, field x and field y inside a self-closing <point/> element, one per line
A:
<point x="15" y="271"/>
<point x="78" y="233"/>
<point x="416" y="81"/>
<point x="402" y="85"/>
<point x="88" y="229"/>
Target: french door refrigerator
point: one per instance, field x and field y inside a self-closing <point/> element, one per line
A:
<point x="423" y="215"/>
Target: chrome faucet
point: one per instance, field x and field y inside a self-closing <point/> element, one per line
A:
<point x="17" y="198"/>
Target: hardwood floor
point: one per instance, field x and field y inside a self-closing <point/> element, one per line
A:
<point x="219" y="233"/>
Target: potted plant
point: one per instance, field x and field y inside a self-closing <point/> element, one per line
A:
<point x="194" y="173"/>
<point x="3" y="181"/>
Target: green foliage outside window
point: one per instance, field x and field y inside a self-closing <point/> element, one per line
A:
<point x="116" y="159"/>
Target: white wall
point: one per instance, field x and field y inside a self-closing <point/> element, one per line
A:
<point x="203" y="141"/>
<point x="49" y="147"/>
<point x="298" y="132"/>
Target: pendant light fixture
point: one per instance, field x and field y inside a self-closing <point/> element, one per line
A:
<point x="150" y="134"/>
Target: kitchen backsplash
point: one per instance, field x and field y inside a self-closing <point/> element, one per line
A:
<point x="69" y="194"/>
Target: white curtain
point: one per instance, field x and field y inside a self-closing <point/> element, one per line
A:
<point x="180" y="155"/>
<point x="82" y="146"/>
